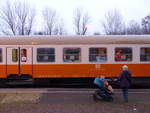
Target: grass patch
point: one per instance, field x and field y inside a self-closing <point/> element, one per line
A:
<point x="8" y="98"/>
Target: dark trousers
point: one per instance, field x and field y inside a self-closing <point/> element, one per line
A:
<point x="125" y="94"/>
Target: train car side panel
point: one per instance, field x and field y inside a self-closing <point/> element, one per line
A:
<point x="2" y="62"/>
<point x="3" y="71"/>
<point x="88" y="70"/>
<point x="26" y="69"/>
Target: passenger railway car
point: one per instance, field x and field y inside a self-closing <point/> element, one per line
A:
<point x="47" y="57"/>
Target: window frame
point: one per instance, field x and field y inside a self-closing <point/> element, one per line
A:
<point x="123" y="48"/>
<point x="46" y="54"/>
<point x="106" y="48"/>
<point x="80" y="55"/>
<point x="140" y="54"/>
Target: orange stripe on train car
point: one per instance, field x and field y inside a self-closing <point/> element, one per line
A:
<point x="88" y="70"/>
<point x="75" y="70"/>
<point x="11" y="69"/>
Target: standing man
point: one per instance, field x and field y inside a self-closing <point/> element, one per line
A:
<point x="125" y="82"/>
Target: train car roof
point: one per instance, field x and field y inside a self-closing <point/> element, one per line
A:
<point x="70" y="40"/>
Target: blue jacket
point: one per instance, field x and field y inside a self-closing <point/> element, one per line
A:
<point x="99" y="82"/>
<point x="125" y="79"/>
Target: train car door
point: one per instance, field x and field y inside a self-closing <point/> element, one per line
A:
<point x="19" y="60"/>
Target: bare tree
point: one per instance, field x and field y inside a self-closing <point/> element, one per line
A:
<point x="60" y="29"/>
<point x="50" y="19"/>
<point x="53" y="24"/>
<point x="113" y="23"/>
<point x="57" y="30"/>
<point x="146" y="24"/>
<point x="81" y="21"/>
<point x="133" y="28"/>
<point x="17" y="19"/>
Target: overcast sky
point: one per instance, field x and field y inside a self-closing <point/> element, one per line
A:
<point x="130" y="9"/>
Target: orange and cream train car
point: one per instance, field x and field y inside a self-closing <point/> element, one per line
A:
<point x="47" y="57"/>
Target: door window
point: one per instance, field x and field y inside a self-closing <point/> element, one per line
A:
<point x="23" y="55"/>
<point x="14" y="55"/>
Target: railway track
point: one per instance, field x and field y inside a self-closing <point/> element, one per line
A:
<point x="65" y="90"/>
<point x="23" y="85"/>
<point x="30" y="84"/>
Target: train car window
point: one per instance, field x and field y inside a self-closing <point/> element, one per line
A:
<point x="71" y="54"/>
<point x="97" y="54"/>
<point x="0" y="55"/>
<point x="14" y="55"/>
<point x="45" y="55"/>
<point x="145" y="54"/>
<point x="123" y="54"/>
